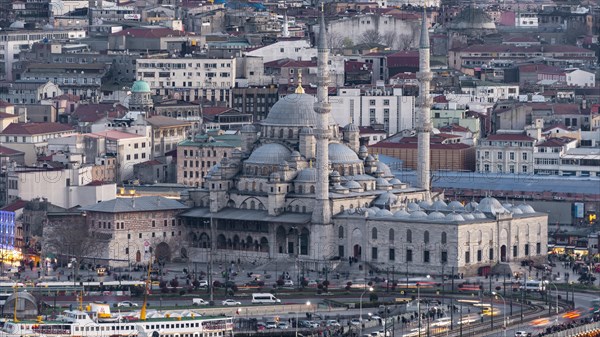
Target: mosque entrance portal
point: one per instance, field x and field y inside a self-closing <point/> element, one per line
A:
<point x="503" y="253"/>
<point x="357" y="251"/>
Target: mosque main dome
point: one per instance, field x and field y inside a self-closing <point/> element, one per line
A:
<point x="269" y="154"/>
<point x="295" y="110"/>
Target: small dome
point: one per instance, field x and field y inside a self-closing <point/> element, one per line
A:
<point x="370" y="159"/>
<point x="413" y="206"/>
<point x="395" y="181"/>
<point x="418" y="215"/>
<point x="387" y="172"/>
<point x="516" y="210"/>
<point x="435" y="216"/>
<point x="341" y="154"/>
<point x="479" y="215"/>
<point x="468" y="216"/>
<point x="507" y="205"/>
<point x="308" y="175"/>
<point x="370" y="212"/>
<point x="527" y="209"/>
<point x="335" y="174"/>
<point x="294" y="110"/>
<point x="491" y="205"/>
<point x="401" y="214"/>
<point x="455" y="205"/>
<point x="17" y="25"/>
<point x="381" y="182"/>
<point x="351" y="184"/>
<point x="248" y="128"/>
<point x="454" y="217"/>
<point x="425" y="204"/>
<point x="295" y="155"/>
<point x="439" y="205"/>
<point x="384" y="212"/>
<point x="275" y="177"/>
<point x="351" y="128"/>
<point x="269" y="154"/>
<point x="472" y="206"/>
<point x="140" y="87"/>
<point x="213" y="170"/>
<point x="307" y="131"/>
<point x="386" y="198"/>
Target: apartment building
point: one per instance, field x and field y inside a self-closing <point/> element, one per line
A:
<point x="560" y="156"/>
<point x="32" y="138"/>
<point x="192" y="79"/>
<point x="506" y="153"/>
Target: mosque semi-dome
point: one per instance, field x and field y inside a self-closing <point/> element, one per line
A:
<point x="308" y="175"/>
<point x="269" y="154"/>
<point x="527" y="209"/>
<point x="341" y="154"/>
<point x="491" y="205"/>
<point x="140" y="86"/>
<point x="295" y="110"/>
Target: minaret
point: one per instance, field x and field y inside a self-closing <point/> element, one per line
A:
<point x="322" y="211"/>
<point x="286" y="31"/>
<point x="424" y="105"/>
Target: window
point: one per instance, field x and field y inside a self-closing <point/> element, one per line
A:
<point x="479" y="255"/>
<point x="392" y="254"/>
<point x="538" y="248"/>
<point x="409" y="255"/>
<point x="515" y="251"/>
<point x="524" y="155"/>
<point x="391" y="235"/>
<point x="444" y="238"/>
<point x="374" y="233"/>
<point x="386" y="102"/>
<point x="426" y="237"/>
<point x="341" y="232"/>
<point x="526" y="249"/>
<point x="467" y="257"/>
<point x="444" y="257"/>
<point x="511" y="155"/>
<point x="491" y="254"/>
<point x="341" y="251"/>
<point x="426" y="256"/>
<point x="372" y="102"/>
<point x="499" y="155"/>
<point x="408" y="236"/>
<point x="374" y="253"/>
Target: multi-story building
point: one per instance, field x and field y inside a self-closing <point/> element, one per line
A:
<point x="127" y="148"/>
<point x="132" y="227"/>
<point x="506" y="153"/>
<point x="64" y="187"/>
<point x="220" y="118"/>
<point x="7" y="239"/>
<point x="370" y="106"/>
<point x="181" y="110"/>
<point x="167" y="132"/>
<point x="490" y="92"/>
<point x="256" y="101"/>
<point x="193" y="79"/>
<point x="196" y="157"/>
<point x="32" y="138"/>
<point x="28" y="92"/>
<point x="560" y="156"/>
<point x="13" y="42"/>
<point x="83" y="80"/>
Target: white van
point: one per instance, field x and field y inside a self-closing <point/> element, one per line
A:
<point x="264" y="298"/>
<point x="533" y="285"/>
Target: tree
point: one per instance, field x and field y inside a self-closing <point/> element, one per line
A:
<point x="347" y="42"/>
<point x="405" y="41"/>
<point x="389" y="39"/>
<point x="335" y="41"/>
<point x="370" y="36"/>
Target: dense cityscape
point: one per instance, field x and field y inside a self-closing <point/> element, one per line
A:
<point x="188" y="168"/>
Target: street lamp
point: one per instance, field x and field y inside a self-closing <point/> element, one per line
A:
<point x="297" y="312"/>
<point x="503" y="312"/>
<point x="419" y="303"/>
<point x="370" y="289"/>
<point x="556" y="289"/>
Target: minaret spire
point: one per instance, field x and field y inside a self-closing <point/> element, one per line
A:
<point x="286" y="31"/>
<point x="424" y="109"/>
<point x="322" y="211"/>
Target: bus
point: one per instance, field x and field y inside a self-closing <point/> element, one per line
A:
<point x="533" y="285"/>
<point x="470" y="287"/>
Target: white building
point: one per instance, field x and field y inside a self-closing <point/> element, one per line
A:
<point x="128" y="148"/>
<point x="299" y="50"/>
<point x="32" y="138"/>
<point x="506" y="153"/>
<point x="62" y="187"/>
<point x="12" y="42"/>
<point x="490" y="92"/>
<point x="366" y="107"/>
<point x="580" y="78"/>
<point x="192" y="79"/>
<point x="526" y="20"/>
<point x="560" y="156"/>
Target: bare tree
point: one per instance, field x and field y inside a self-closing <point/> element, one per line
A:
<point x="389" y="39"/>
<point x="335" y="41"/>
<point x="370" y="36"/>
<point x="405" y="41"/>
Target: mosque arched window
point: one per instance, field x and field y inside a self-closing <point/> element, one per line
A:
<point x="312" y="189"/>
<point x="341" y="232"/>
<point x="280" y="133"/>
<point x="291" y="134"/>
<point x="444" y="238"/>
<point x="374" y="233"/>
<point x="426" y="237"/>
<point x="391" y="235"/>
<point x="408" y="236"/>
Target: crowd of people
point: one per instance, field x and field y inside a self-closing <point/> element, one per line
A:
<point x="573" y="324"/>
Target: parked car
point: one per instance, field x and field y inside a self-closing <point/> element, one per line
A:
<point x="288" y="283"/>
<point x="355" y="321"/>
<point x="199" y="301"/>
<point x="202" y="283"/>
<point x="231" y="302"/>
<point x="271" y="325"/>
<point x="332" y="322"/>
<point x="127" y="304"/>
<point x="522" y="334"/>
<point x="283" y="326"/>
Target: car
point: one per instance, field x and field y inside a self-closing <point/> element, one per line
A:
<point x="283" y="326"/>
<point x="375" y="317"/>
<point x="288" y="283"/>
<point x="355" y="321"/>
<point x="260" y="326"/>
<point x="313" y="324"/>
<point x="522" y="334"/>
<point x="127" y="304"/>
<point x="332" y="322"/>
<point x="199" y="301"/>
<point x="202" y="283"/>
<point x="383" y="333"/>
<point x="271" y="325"/>
<point x="231" y="302"/>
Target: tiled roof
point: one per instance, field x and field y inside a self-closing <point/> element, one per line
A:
<point x="8" y="151"/>
<point x="163" y="121"/>
<point x="536" y="68"/>
<point x="5" y="115"/>
<point x="139" y="204"/>
<point x="476" y="48"/>
<point x="5" y="104"/>
<point x="89" y="113"/>
<point x="150" y="33"/>
<point x="113" y="134"/>
<point x="214" y="110"/>
<point x="15" y="205"/>
<point x="35" y="128"/>
<point x="556" y="126"/>
<point x="510" y="137"/>
<point x="433" y="146"/>
<point x="150" y="163"/>
<point x="289" y="63"/>
<point x="556" y="142"/>
<point x="454" y="128"/>
<point x="370" y="130"/>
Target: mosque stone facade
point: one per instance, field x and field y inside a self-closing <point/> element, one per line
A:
<point x="302" y="189"/>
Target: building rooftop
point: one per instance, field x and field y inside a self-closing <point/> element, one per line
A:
<point x="114" y="135"/>
<point x="135" y="204"/>
<point x="35" y="128"/>
<point x="163" y="121"/>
